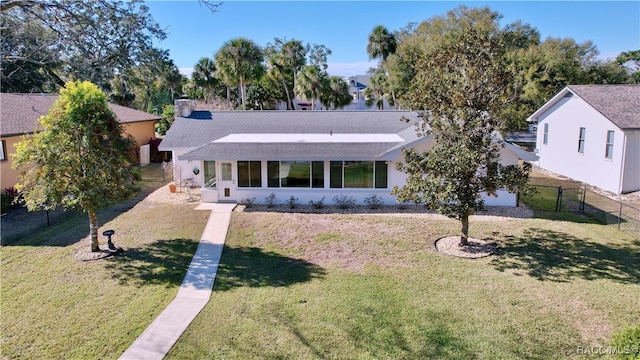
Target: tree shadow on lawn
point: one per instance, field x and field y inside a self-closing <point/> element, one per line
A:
<point x="161" y="262"/>
<point x="255" y="267"/>
<point x="167" y="261"/>
<point x="557" y="256"/>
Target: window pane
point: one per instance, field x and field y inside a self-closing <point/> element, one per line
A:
<point x="226" y="171"/>
<point x="295" y="173"/>
<point x="255" y="173"/>
<point x="358" y="174"/>
<point x="317" y="174"/>
<point x="381" y="174"/>
<point x="273" y="173"/>
<point x="210" y="174"/>
<point x="243" y="174"/>
<point x="609" y="148"/>
<point x="581" y="137"/>
<point x="545" y="138"/>
<point x="335" y="176"/>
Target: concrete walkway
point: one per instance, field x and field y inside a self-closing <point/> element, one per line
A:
<point x="194" y="293"/>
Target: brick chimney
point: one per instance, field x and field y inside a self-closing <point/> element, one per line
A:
<point x="184" y="107"/>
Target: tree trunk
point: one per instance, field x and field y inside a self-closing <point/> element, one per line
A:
<point x="464" y="232"/>
<point x="93" y="230"/>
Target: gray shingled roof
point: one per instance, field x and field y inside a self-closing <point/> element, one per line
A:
<point x="200" y="134"/>
<point x="19" y="113"/>
<point x="289" y="151"/>
<point x="618" y="103"/>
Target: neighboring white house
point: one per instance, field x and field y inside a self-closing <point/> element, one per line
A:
<point x="235" y="155"/>
<point x="591" y="133"/>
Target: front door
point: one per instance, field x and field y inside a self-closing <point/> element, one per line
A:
<point x="226" y="183"/>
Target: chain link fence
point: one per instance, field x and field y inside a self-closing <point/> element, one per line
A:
<point x="581" y="200"/>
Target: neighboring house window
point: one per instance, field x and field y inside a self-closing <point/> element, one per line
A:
<point x="545" y="137"/>
<point x="295" y="174"/>
<point x="210" y="174"/>
<point x="581" y="140"/>
<point x="608" y="153"/>
<point x="249" y="174"/>
<point x="359" y="174"/>
<point x="2" y="153"/>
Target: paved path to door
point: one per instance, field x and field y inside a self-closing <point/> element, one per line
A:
<point x="194" y="293"/>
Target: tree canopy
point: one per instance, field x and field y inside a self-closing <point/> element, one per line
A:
<point x="80" y="159"/>
<point x="54" y="41"/>
<point x="461" y="84"/>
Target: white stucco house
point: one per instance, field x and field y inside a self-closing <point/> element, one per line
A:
<point x="235" y="155"/>
<point x="591" y="133"/>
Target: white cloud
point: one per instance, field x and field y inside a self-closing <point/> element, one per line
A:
<point x="349" y="69"/>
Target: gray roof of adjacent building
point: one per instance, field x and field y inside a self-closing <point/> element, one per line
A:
<point x="204" y="133"/>
<point x="19" y="113"/>
<point x="618" y="103"/>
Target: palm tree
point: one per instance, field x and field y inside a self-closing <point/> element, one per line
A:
<point x="286" y="58"/>
<point x="240" y="62"/>
<point x="375" y="92"/>
<point x="311" y="83"/>
<point x="337" y="93"/>
<point x="204" y="75"/>
<point x="381" y="44"/>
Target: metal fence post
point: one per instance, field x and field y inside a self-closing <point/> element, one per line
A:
<point x="559" y="199"/>
<point x="620" y="216"/>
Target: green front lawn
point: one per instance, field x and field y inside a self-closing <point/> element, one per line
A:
<point x="307" y="286"/>
<point x="369" y="287"/>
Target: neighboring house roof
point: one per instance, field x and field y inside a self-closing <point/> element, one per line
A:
<point x="618" y="103"/>
<point x="19" y="113"/>
<point x="263" y="135"/>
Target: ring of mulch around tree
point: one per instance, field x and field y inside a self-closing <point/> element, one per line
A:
<point x="84" y="253"/>
<point x="475" y="248"/>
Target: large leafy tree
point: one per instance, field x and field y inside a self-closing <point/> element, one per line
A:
<point x="80" y="159"/>
<point x="240" y="62"/>
<point x="52" y="41"/>
<point x="462" y="83"/>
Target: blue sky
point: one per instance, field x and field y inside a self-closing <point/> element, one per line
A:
<point x="343" y="26"/>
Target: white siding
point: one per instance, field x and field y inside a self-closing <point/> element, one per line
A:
<point x="631" y="175"/>
<point x="560" y="154"/>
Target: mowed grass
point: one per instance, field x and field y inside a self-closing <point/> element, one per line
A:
<point x="306" y="286"/>
<point x="54" y="307"/>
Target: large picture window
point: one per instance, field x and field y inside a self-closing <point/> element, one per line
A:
<point x="249" y="174"/>
<point x="302" y="174"/>
<point x="210" y="174"/>
<point x="359" y="174"/>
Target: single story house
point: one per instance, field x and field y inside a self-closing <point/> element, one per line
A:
<point x="19" y="115"/>
<point x="591" y="133"/>
<point x="236" y="155"/>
